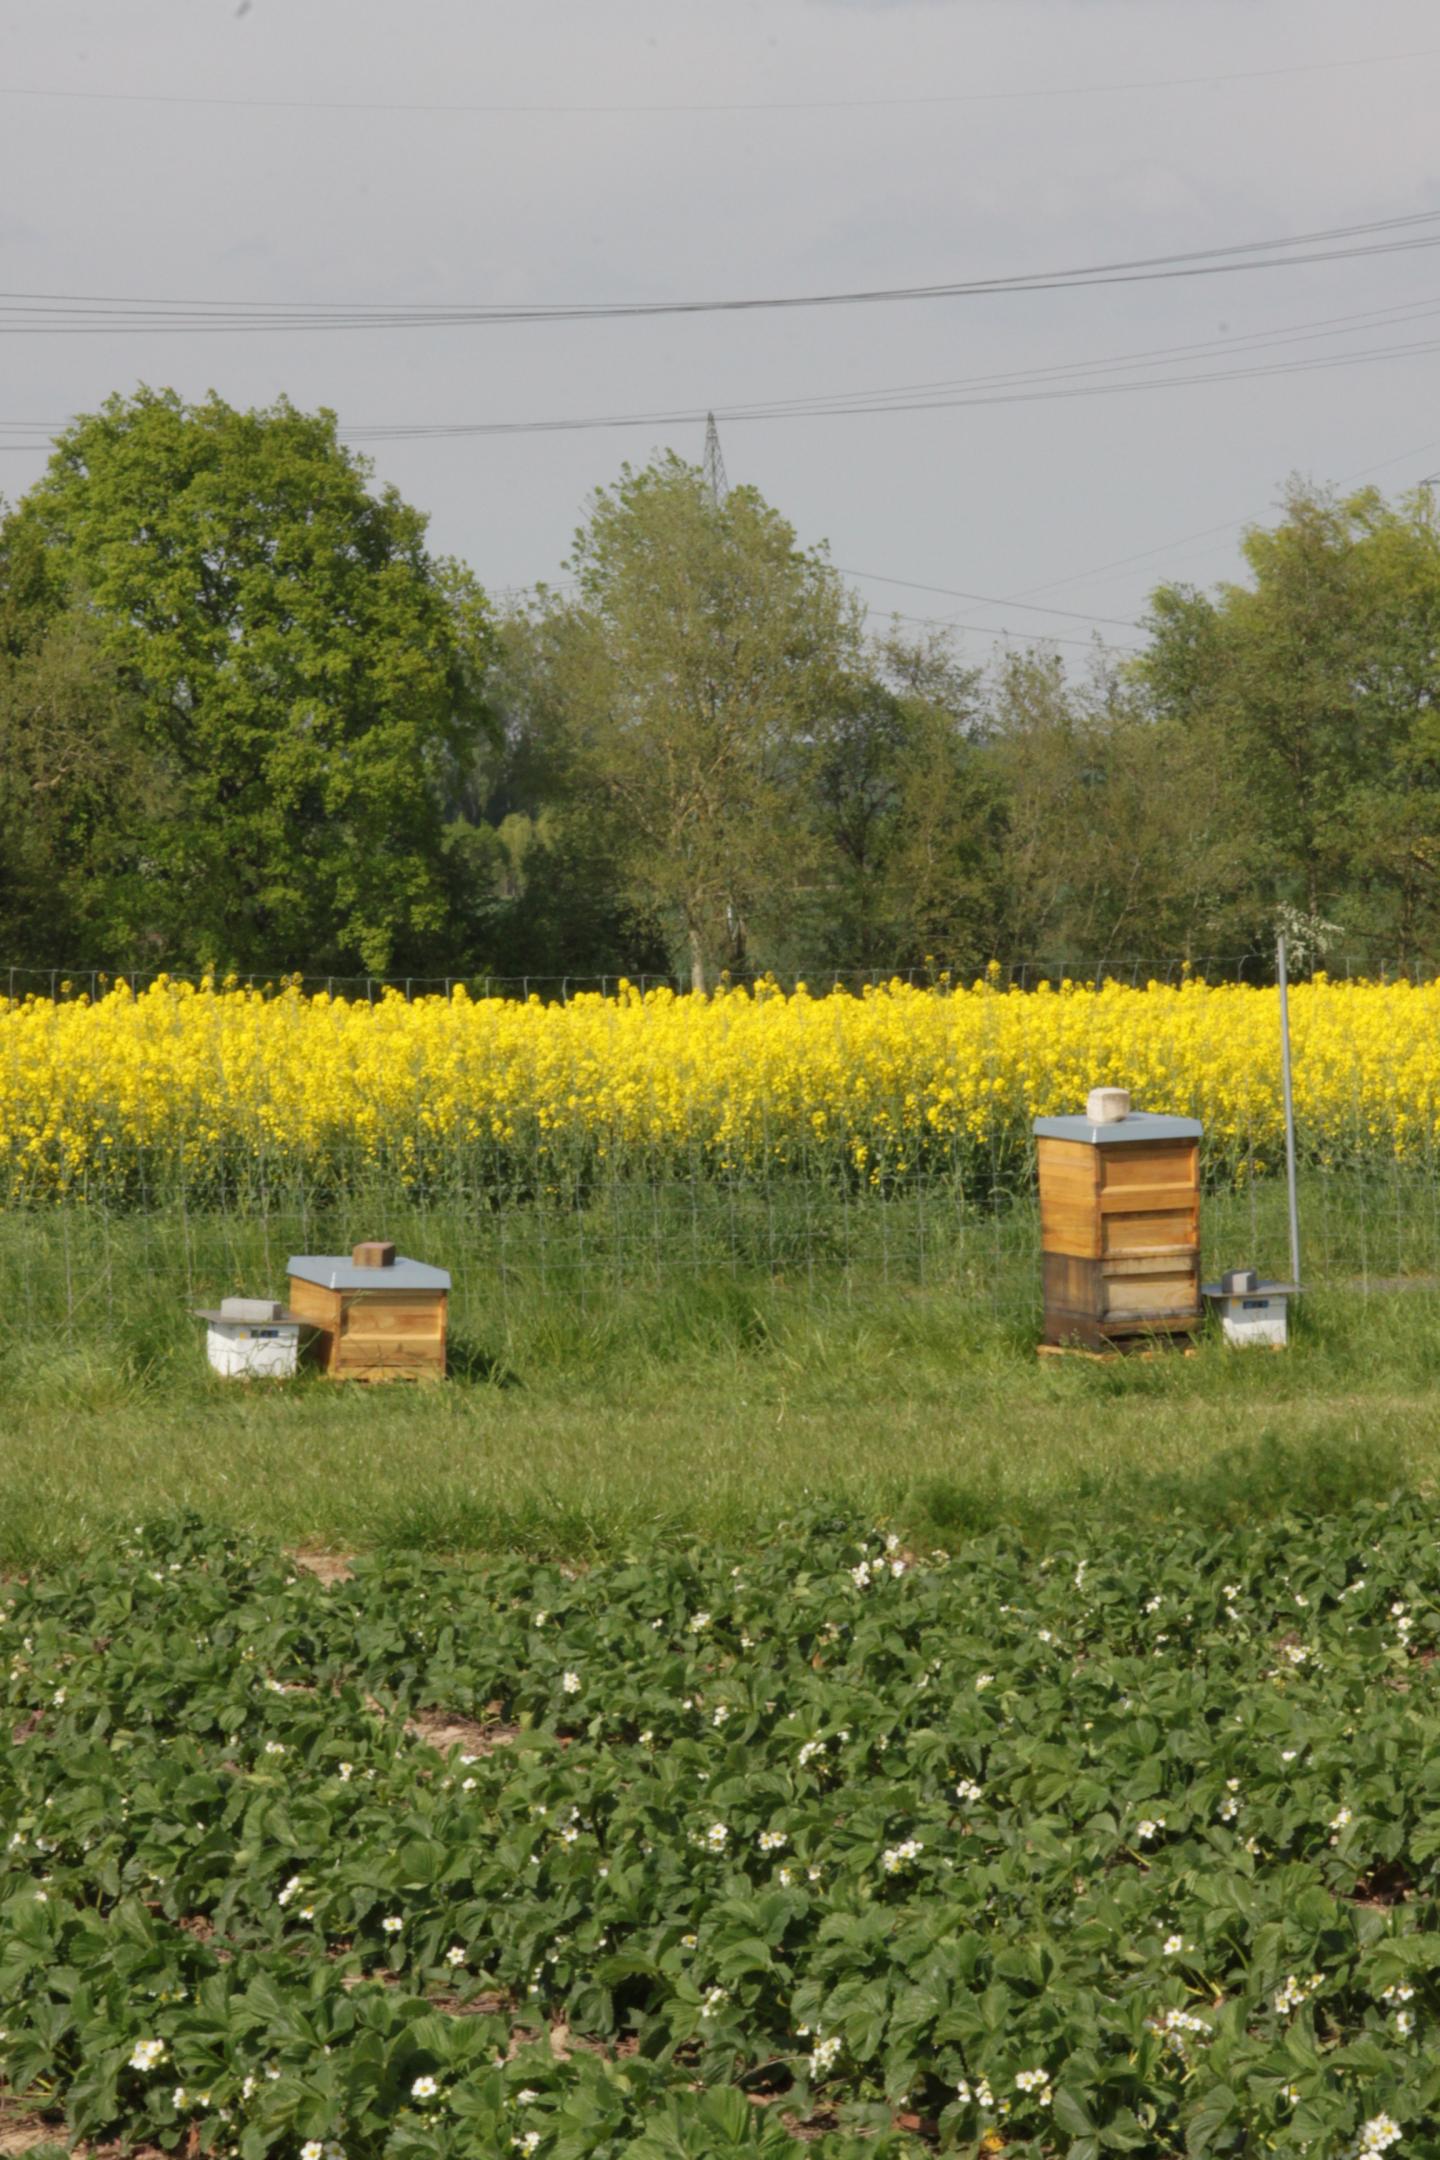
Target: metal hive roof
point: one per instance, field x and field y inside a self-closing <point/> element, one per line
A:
<point x="1138" y="1125"/>
<point x="337" y="1271"/>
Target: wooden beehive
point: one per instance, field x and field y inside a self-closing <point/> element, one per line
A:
<point x="1119" y="1227"/>
<point x="374" y="1315"/>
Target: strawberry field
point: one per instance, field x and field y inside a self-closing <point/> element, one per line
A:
<point x="1128" y="1845"/>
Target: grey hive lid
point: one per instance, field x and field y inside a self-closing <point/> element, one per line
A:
<point x="1138" y="1125"/>
<point x="248" y="1312"/>
<point x="1232" y="1287"/>
<point x="337" y="1271"/>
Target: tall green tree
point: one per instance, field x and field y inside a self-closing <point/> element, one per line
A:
<point x="76" y="790"/>
<point x="304" y="678"/>
<point x="1315" y="689"/>
<point x="908" y="811"/>
<point x="696" y="671"/>
<point x="1117" y="839"/>
<point x="539" y="889"/>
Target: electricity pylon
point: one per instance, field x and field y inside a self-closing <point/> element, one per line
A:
<point x="715" y="480"/>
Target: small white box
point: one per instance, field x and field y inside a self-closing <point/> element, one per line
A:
<point x="1253" y="1314"/>
<point x="251" y="1339"/>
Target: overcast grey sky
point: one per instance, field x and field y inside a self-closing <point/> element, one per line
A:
<point x="261" y="202"/>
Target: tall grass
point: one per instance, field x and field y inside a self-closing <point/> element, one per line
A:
<point x="662" y="1362"/>
<point x="124" y="1282"/>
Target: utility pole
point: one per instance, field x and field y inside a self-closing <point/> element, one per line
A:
<point x="715" y="481"/>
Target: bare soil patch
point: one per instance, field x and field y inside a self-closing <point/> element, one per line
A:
<point x="446" y="1729"/>
<point x="326" y="1567"/>
<point x="23" y="2131"/>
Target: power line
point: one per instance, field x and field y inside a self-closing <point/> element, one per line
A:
<point x="943" y="622"/>
<point x="846" y="406"/>
<point x="990" y="630"/>
<point x="688" y="108"/>
<point x="827" y="409"/>
<point x="1019" y="599"/>
<point x="1121" y="622"/>
<point x="1206" y="532"/>
<point x="24" y="313"/>
<point x="1306" y="332"/>
<point x="1025" y="385"/>
<point x="916" y="396"/>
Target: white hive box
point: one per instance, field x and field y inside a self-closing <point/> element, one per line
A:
<point x="1253" y="1314"/>
<point x="251" y="1339"/>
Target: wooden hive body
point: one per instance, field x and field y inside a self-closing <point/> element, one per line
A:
<point x="1119" y="1228"/>
<point x="384" y="1322"/>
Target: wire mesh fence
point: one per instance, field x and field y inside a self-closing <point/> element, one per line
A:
<point x="91" y="1275"/>
<point x="1255" y="967"/>
<point x="850" y="1177"/>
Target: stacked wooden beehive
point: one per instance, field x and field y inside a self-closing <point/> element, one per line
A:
<point x="1119" y="1223"/>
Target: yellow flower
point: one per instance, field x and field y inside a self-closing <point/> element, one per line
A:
<point x="216" y="1085"/>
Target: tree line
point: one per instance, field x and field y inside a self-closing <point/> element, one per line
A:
<point x="248" y="719"/>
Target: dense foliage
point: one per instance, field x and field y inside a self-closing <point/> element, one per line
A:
<point x="1316" y="683"/>
<point x="692" y="681"/>
<point x="212" y="1091"/>
<point x="1119" y="1847"/>
<point x="247" y="720"/>
<point x="233" y="687"/>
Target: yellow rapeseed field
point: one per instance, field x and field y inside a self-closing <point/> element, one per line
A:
<point x="212" y="1085"/>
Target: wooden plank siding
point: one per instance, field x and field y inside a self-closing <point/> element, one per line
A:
<point x="392" y="1334"/>
<point x="1120" y="1239"/>
<point x="373" y="1334"/>
<point x="1069" y="1186"/>
<point x="320" y="1311"/>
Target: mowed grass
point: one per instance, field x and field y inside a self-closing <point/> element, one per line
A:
<point x="604" y="1393"/>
